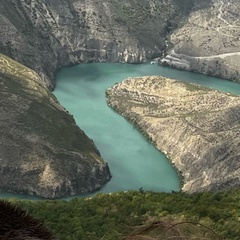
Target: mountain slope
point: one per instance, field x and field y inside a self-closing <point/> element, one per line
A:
<point x="42" y="150"/>
<point x="208" y="42"/>
<point x="47" y="35"/>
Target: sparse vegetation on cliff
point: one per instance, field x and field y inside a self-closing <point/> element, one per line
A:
<point x="196" y="127"/>
<point x="208" y="40"/>
<point x="42" y="152"/>
<point x="47" y="35"/>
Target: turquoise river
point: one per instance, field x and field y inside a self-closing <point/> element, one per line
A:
<point x="133" y="161"/>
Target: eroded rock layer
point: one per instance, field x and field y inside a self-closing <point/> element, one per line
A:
<point x="196" y="127"/>
<point x="46" y="35"/>
<point x="209" y="41"/>
<point x="42" y="150"/>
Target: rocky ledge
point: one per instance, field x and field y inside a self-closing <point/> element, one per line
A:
<point x="208" y="42"/>
<point x="42" y="150"/>
<point x="196" y="127"/>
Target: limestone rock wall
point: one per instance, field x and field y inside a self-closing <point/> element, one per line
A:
<point x="46" y="35"/>
<point x="209" y="40"/>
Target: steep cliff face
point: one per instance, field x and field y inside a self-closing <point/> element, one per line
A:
<point x="42" y="151"/>
<point x="196" y="127"/>
<point x="209" y="41"/>
<point x="46" y="35"/>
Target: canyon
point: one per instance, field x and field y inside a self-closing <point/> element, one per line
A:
<point x="38" y="134"/>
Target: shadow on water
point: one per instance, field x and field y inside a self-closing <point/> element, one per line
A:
<point x="92" y="74"/>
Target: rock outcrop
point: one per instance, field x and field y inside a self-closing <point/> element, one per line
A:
<point x="42" y="150"/>
<point x="46" y="35"/>
<point x="209" y="41"/>
<point x="196" y="127"/>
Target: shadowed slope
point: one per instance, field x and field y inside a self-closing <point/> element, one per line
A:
<point x="43" y="152"/>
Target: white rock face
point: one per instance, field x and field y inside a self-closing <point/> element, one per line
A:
<point x="209" y="41"/>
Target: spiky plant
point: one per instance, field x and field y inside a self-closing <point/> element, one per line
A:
<point x="17" y="224"/>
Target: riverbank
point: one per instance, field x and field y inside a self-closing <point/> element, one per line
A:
<point x="145" y="134"/>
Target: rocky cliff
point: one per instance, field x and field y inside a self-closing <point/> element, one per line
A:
<point x="209" y="40"/>
<point x="46" y="35"/>
<point x="42" y="151"/>
<point x="196" y="127"/>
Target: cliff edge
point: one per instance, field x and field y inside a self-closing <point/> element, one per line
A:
<point x="196" y="127"/>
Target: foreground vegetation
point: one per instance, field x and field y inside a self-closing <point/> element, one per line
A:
<point x="107" y="216"/>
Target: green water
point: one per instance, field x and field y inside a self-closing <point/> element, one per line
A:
<point x="134" y="163"/>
